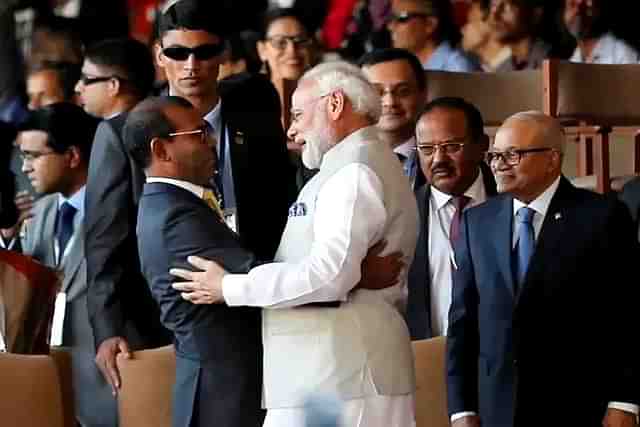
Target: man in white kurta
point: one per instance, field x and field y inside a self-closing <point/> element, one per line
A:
<point x="358" y="350"/>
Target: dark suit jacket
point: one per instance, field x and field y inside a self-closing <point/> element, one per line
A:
<point x="559" y="349"/>
<point x="218" y="348"/>
<point x="264" y="178"/>
<point x="119" y="301"/>
<point x="419" y="301"/>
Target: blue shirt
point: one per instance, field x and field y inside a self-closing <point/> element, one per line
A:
<point x="448" y="58"/>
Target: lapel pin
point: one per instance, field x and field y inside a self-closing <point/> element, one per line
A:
<point x="239" y="139"/>
<point x="557" y="216"/>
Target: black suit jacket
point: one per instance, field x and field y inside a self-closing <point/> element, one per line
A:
<point x="557" y="350"/>
<point x="218" y="348"/>
<point x="264" y="178"/>
<point x="119" y="301"/>
<point x="419" y="301"/>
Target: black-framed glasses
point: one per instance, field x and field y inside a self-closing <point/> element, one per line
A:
<point x="203" y="52"/>
<point x="403" y="17"/>
<point x="203" y="131"/>
<point x="450" y="147"/>
<point x="88" y="80"/>
<point x="281" y="42"/>
<point x="30" y="156"/>
<point x="513" y="157"/>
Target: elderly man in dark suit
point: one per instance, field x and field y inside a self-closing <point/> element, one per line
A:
<point x="218" y="348"/>
<point x="544" y="271"/>
<point x="451" y="146"/>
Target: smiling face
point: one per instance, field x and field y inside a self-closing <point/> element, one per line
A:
<point x="191" y="77"/>
<point x="287" y="49"/>
<point x="411" y="34"/>
<point x="400" y="94"/>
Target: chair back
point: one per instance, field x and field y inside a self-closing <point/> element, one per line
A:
<point x="30" y="394"/>
<point x="496" y="95"/>
<point x="62" y="358"/>
<point x="146" y="396"/>
<point x="431" y="388"/>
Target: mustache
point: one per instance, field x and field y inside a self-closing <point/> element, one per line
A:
<point x="442" y="166"/>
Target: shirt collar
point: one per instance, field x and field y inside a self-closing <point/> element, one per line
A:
<point x="476" y="192"/>
<point x="196" y="189"/>
<point x="601" y="52"/>
<point x="439" y="57"/>
<point x="406" y="148"/>
<point x="76" y="200"/>
<point x="541" y="203"/>
<point x="214" y="117"/>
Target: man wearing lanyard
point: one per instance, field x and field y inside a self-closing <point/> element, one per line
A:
<point x="451" y="142"/>
<point x="55" y="144"/>
<point x="255" y="178"/>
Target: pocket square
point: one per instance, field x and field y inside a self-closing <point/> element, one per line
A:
<point x="298" y="209"/>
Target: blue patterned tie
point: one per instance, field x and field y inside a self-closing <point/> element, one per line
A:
<point x="526" y="241"/>
<point x="65" y="225"/>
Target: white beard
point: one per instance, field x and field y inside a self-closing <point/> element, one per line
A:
<point x="316" y="145"/>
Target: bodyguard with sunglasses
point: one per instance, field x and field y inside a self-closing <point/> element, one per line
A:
<point x="116" y="75"/>
<point x="254" y="176"/>
<point x="451" y="143"/>
<point x="543" y="271"/>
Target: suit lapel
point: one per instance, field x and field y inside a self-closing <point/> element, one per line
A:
<point x="49" y="229"/>
<point x="238" y="151"/>
<point x="500" y="228"/>
<point x="72" y="261"/>
<point x="424" y="197"/>
<point x="551" y="234"/>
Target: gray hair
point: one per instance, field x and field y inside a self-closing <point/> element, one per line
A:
<point x="551" y="131"/>
<point x="349" y="79"/>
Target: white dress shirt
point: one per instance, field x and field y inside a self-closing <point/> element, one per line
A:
<point x="77" y="201"/>
<point x="350" y="214"/>
<point x="441" y="212"/>
<point x="410" y="163"/>
<point x="541" y="207"/>
<point x="608" y="50"/>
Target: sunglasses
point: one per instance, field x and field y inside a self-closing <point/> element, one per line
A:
<point x="403" y="17"/>
<point x="86" y="80"/>
<point x="203" y="52"/>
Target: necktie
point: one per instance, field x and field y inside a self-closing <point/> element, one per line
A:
<point x="64" y="230"/>
<point x="526" y="241"/>
<point x="210" y="198"/>
<point x="459" y="202"/>
<point x="221" y="152"/>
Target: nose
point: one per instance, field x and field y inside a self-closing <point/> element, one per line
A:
<point x="26" y="166"/>
<point x="438" y="155"/>
<point x="191" y="62"/>
<point x="78" y="87"/>
<point x="289" y="48"/>
<point x="292" y="132"/>
<point x="388" y="99"/>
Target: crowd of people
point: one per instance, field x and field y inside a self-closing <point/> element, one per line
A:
<point x="291" y="248"/>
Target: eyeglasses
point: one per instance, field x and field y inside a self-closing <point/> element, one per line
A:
<point x="403" y="17"/>
<point x="203" y="131"/>
<point x="30" y="156"/>
<point x="204" y="52"/>
<point x="281" y="42"/>
<point x="513" y="157"/>
<point x="297" y="112"/>
<point x="87" y="80"/>
<point x="448" y="147"/>
<point x="400" y="91"/>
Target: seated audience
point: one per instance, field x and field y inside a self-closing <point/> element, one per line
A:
<point x="479" y="39"/>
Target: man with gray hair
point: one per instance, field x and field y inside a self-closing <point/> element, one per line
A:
<point x="542" y="270"/>
<point x="321" y="333"/>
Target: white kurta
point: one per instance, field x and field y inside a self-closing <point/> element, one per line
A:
<point x="350" y="216"/>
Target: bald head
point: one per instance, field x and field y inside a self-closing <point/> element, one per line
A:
<point x="532" y="143"/>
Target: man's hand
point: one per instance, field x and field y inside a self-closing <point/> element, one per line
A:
<point x="24" y="204"/>
<point x="467" y="421"/>
<point x="619" y="418"/>
<point x="201" y="287"/>
<point x="380" y="272"/>
<point x="106" y="360"/>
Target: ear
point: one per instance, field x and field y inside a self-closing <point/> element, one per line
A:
<point x="159" y="150"/>
<point x="114" y="86"/>
<point x="75" y="157"/>
<point x="336" y="104"/>
<point x="158" y="56"/>
<point x="261" y="46"/>
<point x="432" y="24"/>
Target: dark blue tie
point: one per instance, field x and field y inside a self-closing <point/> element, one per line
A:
<point x="526" y="241"/>
<point x="65" y="225"/>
